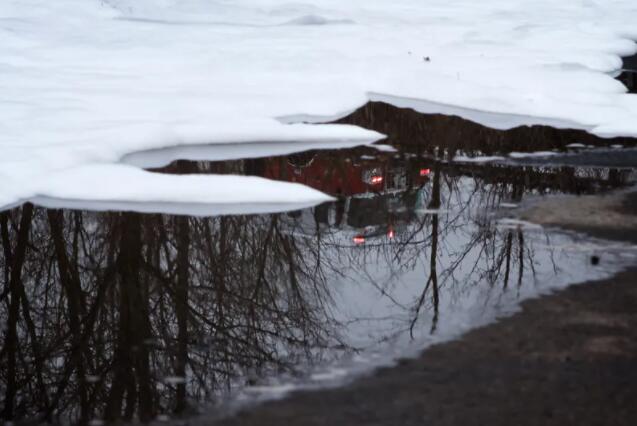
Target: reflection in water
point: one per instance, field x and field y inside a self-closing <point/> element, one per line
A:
<point x="629" y="79"/>
<point x="628" y="75"/>
<point x="104" y="307"/>
<point x="121" y="316"/>
<point x="117" y="316"/>
<point x="447" y="136"/>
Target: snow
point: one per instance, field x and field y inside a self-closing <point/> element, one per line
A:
<point x="536" y="154"/>
<point x="222" y="151"/>
<point x="123" y="187"/>
<point x="510" y="223"/>
<point x="384" y="148"/>
<point x="273" y="390"/>
<point x="84" y="83"/>
<point x="331" y="374"/>
<point x="477" y="159"/>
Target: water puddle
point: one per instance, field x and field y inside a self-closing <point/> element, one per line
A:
<point x="628" y="74"/>
<point x="120" y="315"/>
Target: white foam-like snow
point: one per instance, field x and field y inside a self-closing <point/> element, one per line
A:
<point x="123" y="187"/>
<point x="536" y="154"/>
<point x="218" y="152"/>
<point x="477" y="159"/>
<point x="84" y="83"/>
<point x="316" y="20"/>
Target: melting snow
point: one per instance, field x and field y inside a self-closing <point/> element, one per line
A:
<point x="478" y="159"/>
<point x="533" y="154"/>
<point x="84" y="83"/>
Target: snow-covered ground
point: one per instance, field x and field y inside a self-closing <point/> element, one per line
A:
<point x="83" y="83"/>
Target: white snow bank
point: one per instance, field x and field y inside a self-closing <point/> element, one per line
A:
<point x="86" y="82"/>
<point x="218" y="152"/>
<point x="118" y="186"/>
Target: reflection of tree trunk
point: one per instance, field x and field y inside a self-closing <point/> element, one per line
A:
<point x="340" y="211"/>
<point x="220" y="286"/>
<point x="518" y="190"/>
<point x="181" y="306"/>
<point x="435" y="189"/>
<point x="105" y="281"/>
<point x="507" y="268"/>
<point x="26" y="310"/>
<point x="433" y="274"/>
<point x="435" y="203"/>
<point x="72" y="288"/>
<point x="35" y="346"/>
<point x="134" y="330"/>
<point x="6" y="245"/>
<point x="520" y="257"/>
<point x="321" y="214"/>
<point x="11" y="338"/>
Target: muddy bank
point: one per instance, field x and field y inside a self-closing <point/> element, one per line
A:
<point x="610" y="216"/>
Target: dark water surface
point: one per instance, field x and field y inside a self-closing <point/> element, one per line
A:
<point x="628" y="74"/>
<point x="127" y="316"/>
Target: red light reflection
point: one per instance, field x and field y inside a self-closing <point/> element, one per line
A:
<point x="376" y="180"/>
<point x="359" y="239"/>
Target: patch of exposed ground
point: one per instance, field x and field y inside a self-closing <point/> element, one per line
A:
<point x="612" y="215"/>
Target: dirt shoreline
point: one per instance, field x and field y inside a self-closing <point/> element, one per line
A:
<point x="565" y="359"/>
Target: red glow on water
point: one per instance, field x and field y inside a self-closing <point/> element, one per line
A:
<point x="359" y="239"/>
<point x="425" y="172"/>
<point x="376" y="180"/>
<point x="390" y="234"/>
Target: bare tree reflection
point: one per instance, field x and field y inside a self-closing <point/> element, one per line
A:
<point x="433" y="274"/>
<point x="124" y="316"/>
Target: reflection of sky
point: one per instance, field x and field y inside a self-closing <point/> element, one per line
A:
<point x="465" y="300"/>
<point x="361" y="300"/>
<point x="377" y="285"/>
